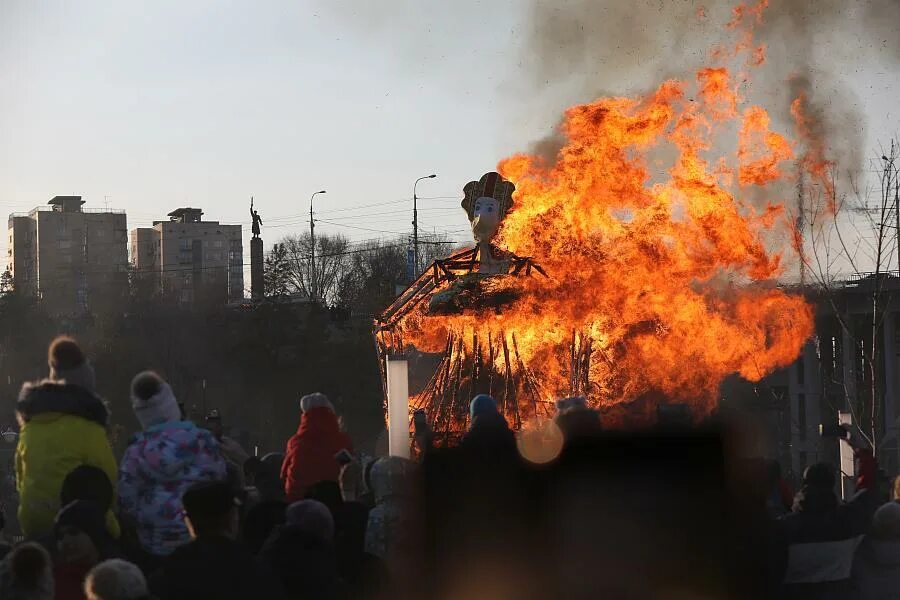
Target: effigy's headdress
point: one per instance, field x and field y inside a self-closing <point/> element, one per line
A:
<point x="491" y="185"/>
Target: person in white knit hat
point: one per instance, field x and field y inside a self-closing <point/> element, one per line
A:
<point x="311" y="452"/>
<point x="161" y="463"/>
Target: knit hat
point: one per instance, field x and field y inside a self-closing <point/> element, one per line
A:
<point x="87" y="517"/>
<point x="209" y="499"/>
<point x="68" y="364"/>
<point x="27" y="573"/>
<point x="391" y="476"/>
<point x="481" y="404"/>
<point x="87" y="482"/>
<point x="820" y="475"/>
<point x="886" y="522"/>
<point x="316" y="400"/>
<point x="313" y="517"/>
<point x="153" y="401"/>
<point x="116" y="579"/>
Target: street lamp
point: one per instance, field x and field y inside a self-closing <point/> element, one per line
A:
<point x="312" y="243"/>
<point x="415" y="223"/>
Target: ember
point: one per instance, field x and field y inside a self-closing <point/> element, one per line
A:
<point x="661" y="271"/>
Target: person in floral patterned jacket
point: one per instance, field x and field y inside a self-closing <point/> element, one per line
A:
<point x="160" y="464"/>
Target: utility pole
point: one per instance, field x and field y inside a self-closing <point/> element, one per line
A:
<point x="415" y="224"/>
<point x="892" y="173"/>
<point x="312" y="246"/>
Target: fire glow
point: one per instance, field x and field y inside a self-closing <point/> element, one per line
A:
<point x="662" y="271"/>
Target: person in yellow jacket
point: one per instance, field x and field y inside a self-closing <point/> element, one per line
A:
<point x="63" y="425"/>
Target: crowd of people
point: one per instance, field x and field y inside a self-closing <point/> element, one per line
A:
<point x="187" y="513"/>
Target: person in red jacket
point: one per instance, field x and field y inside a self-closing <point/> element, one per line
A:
<point x="309" y="457"/>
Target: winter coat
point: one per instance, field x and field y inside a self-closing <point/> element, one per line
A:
<point x="235" y="457"/>
<point x="876" y="570"/>
<point x="214" y="567"/>
<point x="364" y="574"/>
<point x="304" y="563"/>
<point x="490" y="436"/>
<point x="389" y="531"/>
<point x="310" y="452"/>
<point x="822" y="536"/>
<point x="158" y="466"/>
<point x="64" y="427"/>
<point x="69" y="581"/>
<point x="262" y="518"/>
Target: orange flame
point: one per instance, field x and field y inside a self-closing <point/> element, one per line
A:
<point x="664" y="271"/>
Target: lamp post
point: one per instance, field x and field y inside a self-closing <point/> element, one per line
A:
<point x="312" y="244"/>
<point x="415" y="224"/>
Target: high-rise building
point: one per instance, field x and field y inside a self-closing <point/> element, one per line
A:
<point x="191" y="259"/>
<point x="72" y="258"/>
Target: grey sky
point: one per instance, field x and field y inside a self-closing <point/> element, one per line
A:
<point x="170" y="103"/>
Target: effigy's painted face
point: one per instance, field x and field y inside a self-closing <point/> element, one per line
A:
<point x="485" y="218"/>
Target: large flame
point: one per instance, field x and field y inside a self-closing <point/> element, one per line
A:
<point x="659" y="262"/>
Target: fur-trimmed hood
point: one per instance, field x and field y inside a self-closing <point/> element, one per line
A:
<point x="53" y="396"/>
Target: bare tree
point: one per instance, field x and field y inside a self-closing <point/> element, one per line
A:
<point x="854" y="256"/>
<point x="377" y="270"/>
<point x="330" y="264"/>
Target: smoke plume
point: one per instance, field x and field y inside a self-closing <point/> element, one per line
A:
<point x="585" y="48"/>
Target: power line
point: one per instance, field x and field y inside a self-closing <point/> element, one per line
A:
<point x="360" y="228"/>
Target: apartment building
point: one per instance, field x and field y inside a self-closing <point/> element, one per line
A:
<point x="72" y="258"/>
<point x="838" y="371"/>
<point x="191" y="259"/>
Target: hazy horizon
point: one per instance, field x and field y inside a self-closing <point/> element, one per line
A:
<point x="151" y="107"/>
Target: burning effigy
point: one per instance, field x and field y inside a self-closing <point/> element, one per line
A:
<point x="642" y="262"/>
<point x="478" y="281"/>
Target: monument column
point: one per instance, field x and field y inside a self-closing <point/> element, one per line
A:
<point x="256" y="257"/>
<point x="256" y="268"/>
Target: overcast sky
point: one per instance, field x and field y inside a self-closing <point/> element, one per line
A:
<point x="148" y="106"/>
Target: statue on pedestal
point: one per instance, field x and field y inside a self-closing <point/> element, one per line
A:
<point x="257" y="220"/>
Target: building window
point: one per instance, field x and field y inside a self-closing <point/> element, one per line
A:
<point x="218" y="244"/>
<point x="184" y="244"/>
<point x="801" y="416"/>
<point x="63" y="244"/>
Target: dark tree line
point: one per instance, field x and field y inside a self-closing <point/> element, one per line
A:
<point x="363" y="278"/>
<point x="252" y="362"/>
